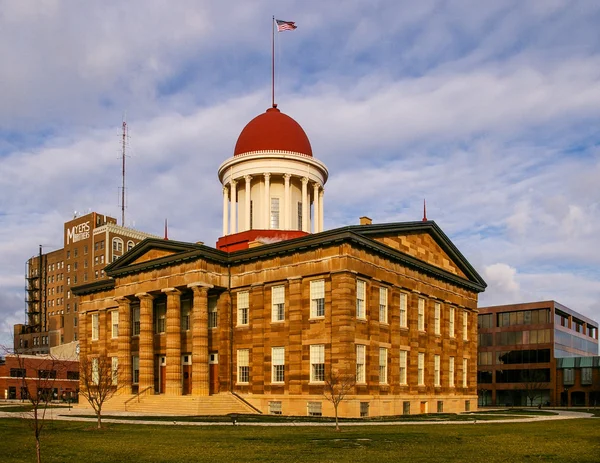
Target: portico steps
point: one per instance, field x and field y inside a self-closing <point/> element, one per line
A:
<point x="160" y="404"/>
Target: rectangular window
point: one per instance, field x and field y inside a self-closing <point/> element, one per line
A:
<point x="464" y="373"/>
<point x="243" y="365"/>
<point x="440" y="406"/>
<point x="95" y="371"/>
<point x="568" y="376"/>
<point x="314" y="409"/>
<point x="135" y="318"/>
<point x="275" y="407"/>
<point x="360" y="299"/>
<point x="383" y="355"/>
<point x="212" y="312"/>
<point x="299" y="215"/>
<point x="278" y="362"/>
<point x="114" y="320"/>
<point x="364" y="409"/>
<point x="586" y="376"/>
<point x="436" y="370"/>
<point x="406" y="407"/>
<point x="317" y="363"/>
<point x="403" y="370"/>
<point x="421" y="369"/>
<point x="186" y="317"/>
<point x="421" y="315"/>
<point x="135" y="369"/>
<point x="278" y="303"/>
<point x="160" y="317"/>
<point x="437" y="313"/>
<point x="95" y="327"/>
<point x="317" y="298"/>
<point x="274" y="213"/>
<point x="465" y="326"/>
<point x="383" y="305"/>
<point x="114" y="370"/>
<point x="360" y="364"/>
<point x="451" y="323"/>
<point x="403" y="318"/>
<point x="451" y="372"/>
<point x="243" y="305"/>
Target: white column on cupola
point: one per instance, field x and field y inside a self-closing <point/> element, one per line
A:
<point x="287" y="206"/>
<point x="316" y="213"/>
<point x="233" y="208"/>
<point x="321" y="196"/>
<point x="248" y="179"/>
<point x="225" y="210"/>
<point x="305" y="204"/>
<point x="267" y="206"/>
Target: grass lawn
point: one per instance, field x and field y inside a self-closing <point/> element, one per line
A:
<point x="551" y="441"/>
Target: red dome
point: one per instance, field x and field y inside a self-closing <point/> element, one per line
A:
<point x="273" y="130"/>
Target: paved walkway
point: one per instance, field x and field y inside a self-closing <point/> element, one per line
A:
<point x="69" y="415"/>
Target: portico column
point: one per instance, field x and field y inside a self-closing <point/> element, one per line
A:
<point x="316" y="213"/>
<point x="173" y="373"/>
<point x="233" y="207"/>
<point x="146" y="383"/>
<point x="305" y="205"/>
<point x="200" y="371"/>
<point x="321" y="196"/>
<point x="124" y="377"/>
<point x="287" y="204"/>
<point x="225" y="211"/>
<point x="267" y="206"/>
<point x="248" y="179"/>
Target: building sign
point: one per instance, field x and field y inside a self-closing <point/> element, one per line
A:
<point x="78" y="232"/>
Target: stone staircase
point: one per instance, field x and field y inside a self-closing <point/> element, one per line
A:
<point x="151" y="404"/>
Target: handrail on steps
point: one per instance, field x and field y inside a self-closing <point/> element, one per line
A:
<point x="136" y="396"/>
<point x="246" y="402"/>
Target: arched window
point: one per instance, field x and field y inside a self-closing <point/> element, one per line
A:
<point x="117" y="244"/>
<point x="130" y="245"/>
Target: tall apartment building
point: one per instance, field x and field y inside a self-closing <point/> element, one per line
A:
<point x="519" y="345"/>
<point x="91" y="242"/>
<point x="281" y="306"/>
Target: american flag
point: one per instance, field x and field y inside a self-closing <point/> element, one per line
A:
<point x="285" y="25"/>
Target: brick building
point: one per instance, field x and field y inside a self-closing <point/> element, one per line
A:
<point x="91" y="242"/>
<point x="267" y="316"/>
<point x="519" y="346"/>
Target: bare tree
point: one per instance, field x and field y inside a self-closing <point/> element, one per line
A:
<point x="37" y="375"/>
<point x="337" y="386"/>
<point x="534" y="383"/>
<point x="98" y="379"/>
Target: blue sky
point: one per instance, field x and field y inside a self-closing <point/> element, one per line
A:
<point x="490" y="110"/>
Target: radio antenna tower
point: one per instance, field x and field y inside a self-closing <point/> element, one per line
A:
<point x="124" y="145"/>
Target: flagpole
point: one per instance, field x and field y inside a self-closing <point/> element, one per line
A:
<point x="273" y="62"/>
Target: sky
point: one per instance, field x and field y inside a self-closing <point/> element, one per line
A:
<point x="489" y="110"/>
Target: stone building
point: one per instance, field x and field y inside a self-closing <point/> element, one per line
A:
<point x="280" y="306"/>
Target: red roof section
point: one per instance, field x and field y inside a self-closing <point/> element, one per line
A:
<point x="273" y="130"/>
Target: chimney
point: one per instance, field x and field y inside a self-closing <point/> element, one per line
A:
<point x="364" y="220"/>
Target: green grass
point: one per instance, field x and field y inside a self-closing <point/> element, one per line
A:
<point x="552" y="441"/>
<point x="25" y="408"/>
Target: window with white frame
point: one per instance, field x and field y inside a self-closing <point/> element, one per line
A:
<point x="212" y="312"/>
<point x="383" y="305"/>
<point x="117" y="244"/>
<point x="278" y="303"/>
<point x="317" y="363"/>
<point x="402" y="372"/>
<point x="114" y="370"/>
<point x="95" y="327"/>
<point x="360" y="363"/>
<point x="130" y="245"/>
<point x="451" y="322"/>
<point x="114" y="321"/>
<point x="437" y="313"/>
<point x="243" y="365"/>
<point x="274" y="213"/>
<point x="278" y="364"/>
<point x="383" y="357"/>
<point x="436" y="370"/>
<point x="360" y="299"/>
<point x="403" y="317"/>
<point x="95" y="371"/>
<point x="421" y="369"/>
<point x="317" y="298"/>
<point x="464" y="373"/>
<point x="465" y="325"/>
<point x="451" y="372"/>
<point x="243" y="307"/>
<point x="421" y="315"/>
<point x="135" y="369"/>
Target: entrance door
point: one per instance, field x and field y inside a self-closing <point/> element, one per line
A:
<point x="162" y="374"/>
<point x="186" y="373"/>
<point x="213" y="367"/>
